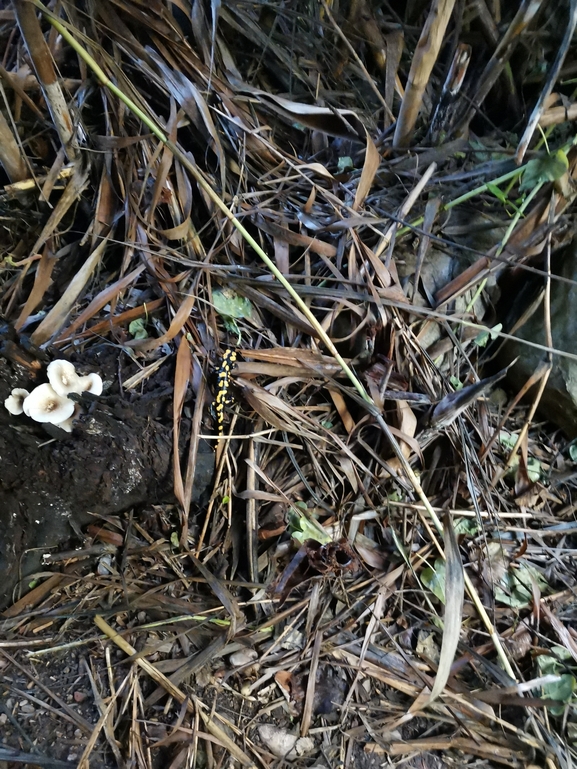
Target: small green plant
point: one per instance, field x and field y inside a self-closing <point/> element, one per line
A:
<point x="137" y="329"/>
<point x="563" y="689"/>
<point x="232" y="307"/>
<point x="302" y="526"/>
<point x="433" y="577"/>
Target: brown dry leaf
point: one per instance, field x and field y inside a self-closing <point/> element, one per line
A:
<point x="104" y="297"/>
<point x="34" y="596"/>
<point x="348" y="469"/>
<point x="336" y="122"/>
<point x="105" y="206"/>
<point x="291" y="238"/>
<point x="312" y="361"/>
<point x="370" y="166"/>
<point x="563" y="633"/>
<point x="123" y="318"/>
<point x="484" y="749"/>
<point x="495" y="564"/>
<point x="74" y="188"/>
<point x="223" y="594"/>
<point x="405" y="432"/>
<point x="520" y="644"/>
<point x="181" y="380"/>
<point x="176" y="325"/>
<point x="161" y="171"/>
<point x="370" y="552"/>
<point x="381" y="271"/>
<point x="275" y="411"/>
<point x="281" y="255"/>
<point x="41" y="284"/>
<point x="274" y="370"/>
<point x="424" y="58"/>
<point x="193" y="104"/>
<point x="12" y="159"/>
<point x="283" y="679"/>
<point x="341" y="407"/>
<point x="57" y="316"/>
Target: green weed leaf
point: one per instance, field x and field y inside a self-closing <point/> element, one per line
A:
<point x="545" y="169"/>
<point x="230" y="305"/>
<point x="303" y="528"/>
<point x="137" y="329"/>
<point x="434" y="579"/>
<point x="516" y="586"/>
<point x="564" y="688"/>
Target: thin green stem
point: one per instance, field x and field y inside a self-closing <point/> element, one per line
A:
<point x="519" y="213"/>
<point x="484" y="187"/>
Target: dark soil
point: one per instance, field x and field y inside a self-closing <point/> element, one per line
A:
<point x="119" y="456"/>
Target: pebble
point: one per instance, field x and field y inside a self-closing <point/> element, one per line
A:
<point x="283" y="744"/>
<point x="243" y="657"/>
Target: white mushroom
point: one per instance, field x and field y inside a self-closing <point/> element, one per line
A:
<point x="15" y="400"/>
<point x="69" y="423"/>
<point x="64" y="379"/>
<point x="91" y="383"/>
<point x="45" y="405"/>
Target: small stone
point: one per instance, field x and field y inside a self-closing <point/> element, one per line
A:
<point x="283" y="744"/>
<point x="243" y="657"/>
<point x="79" y="696"/>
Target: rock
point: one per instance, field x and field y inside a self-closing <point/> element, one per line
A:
<point x="243" y="657"/>
<point x="283" y="744"/>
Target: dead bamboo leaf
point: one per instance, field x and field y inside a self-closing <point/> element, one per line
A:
<point x="181" y="380"/>
<point x="41" y="284"/>
<point x="510" y="757"/>
<point x="41" y="57"/>
<point x="405" y="432"/>
<point x="11" y="156"/>
<point x="56" y="318"/>
<point x="173" y="690"/>
<point x="74" y="188"/>
<point x="424" y="58"/>
<point x="123" y="318"/>
<point x="370" y="166"/>
<point x="237" y="618"/>
<point x="104" y="297"/>
<point x="275" y="411"/>
<point x="453" y="617"/>
<point x="336" y="122"/>
<point x="182" y="315"/>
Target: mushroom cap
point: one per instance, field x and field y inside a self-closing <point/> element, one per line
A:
<point x="15" y="400"/>
<point x="63" y="377"/>
<point x="45" y="405"/>
<point x="91" y="383"/>
<point x="68" y="424"/>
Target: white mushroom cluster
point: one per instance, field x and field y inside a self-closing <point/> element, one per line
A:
<point x="50" y="402"/>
